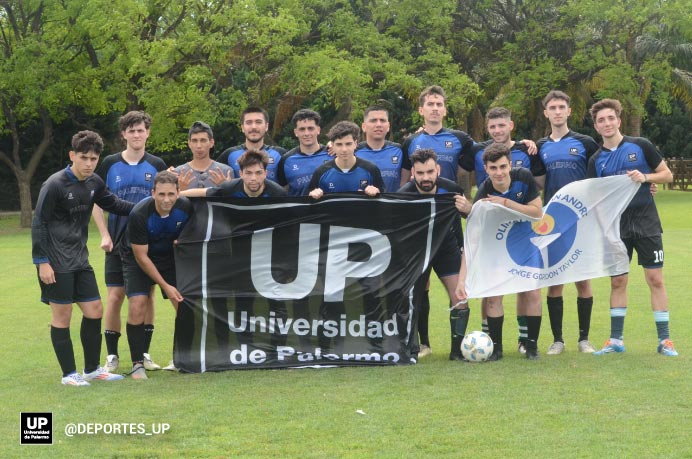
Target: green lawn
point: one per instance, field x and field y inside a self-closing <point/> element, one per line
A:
<point x="573" y="405"/>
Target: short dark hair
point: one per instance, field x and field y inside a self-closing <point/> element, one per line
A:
<point x="132" y="118"/>
<point x="433" y="90"/>
<point x="495" y="151"/>
<point x="252" y="157"/>
<point x="166" y="177"/>
<point x="342" y="129"/>
<point x="254" y="110"/>
<point x="374" y="108"/>
<point x="423" y="156"/>
<point x="555" y="94"/>
<point x="603" y="104"/>
<point x="498" y="112"/>
<point x="200" y="126"/>
<point x="306" y="114"/>
<point x="86" y="141"/>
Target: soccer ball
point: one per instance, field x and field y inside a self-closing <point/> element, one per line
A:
<point x="477" y="346"/>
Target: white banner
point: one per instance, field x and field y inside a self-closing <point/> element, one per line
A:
<point x="578" y="238"/>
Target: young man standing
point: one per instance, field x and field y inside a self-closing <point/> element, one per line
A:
<point x="130" y="176"/>
<point x="346" y="172"/>
<point x="515" y="189"/>
<point x="147" y="254"/>
<point x="386" y="155"/>
<point x="447" y="260"/>
<point x="297" y="166"/>
<point x="254" y="122"/>
<point x="640" y="226"/>
<point x="565" y="154"/>
<point x="59" y="236"/>
<point x="202" y="171"/>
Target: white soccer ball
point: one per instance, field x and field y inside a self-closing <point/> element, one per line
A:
<point x="477" y="346"/>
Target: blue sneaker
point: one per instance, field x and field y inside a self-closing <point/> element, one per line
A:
<point x="666" y="348"/>
<point x="100" y="374"/>
<point x="609" y="347"/>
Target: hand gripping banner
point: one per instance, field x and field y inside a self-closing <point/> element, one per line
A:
<point x="291" y="282"/>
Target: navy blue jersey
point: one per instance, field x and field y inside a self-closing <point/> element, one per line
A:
<point x="235" y="189"/>
<point x="331" y="179"/>
<point x="296" y="169"/>
<point x="450" y="146"/>
<point x="60" y="227"/>
<point x="522" y="189"/>
<point x="388" y="160"/>
<point x="519" y="156"/>
<point x="146" y="227"/>
<point x="231" y="155"/>
<point x="443" y="186"/>
<point x="565" y="160"/>
<point x="640" y="219"/>
<point x="131" y="182"/>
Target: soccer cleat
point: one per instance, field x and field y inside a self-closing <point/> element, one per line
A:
<point x="112" y="363"/>
<point x="556" y="348"/>
<point x="101" y="374"/>
<point x="532" y="354"/>
<point x="666" y="348"/>
<point x="459" y="357"/>
<point x="495" y="356"/>
<point x="150" y="364"/>
<point x="425" y="351"/>
<point x="74" y="379"/>
<point x="170" y="367"/>
<point x="586" y="347"/>
<point x="138" y="371"/>
<point x="609" y="348"/>
<point x="521" y="348"/>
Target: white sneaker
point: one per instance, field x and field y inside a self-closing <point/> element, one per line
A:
<point x="112" y="363"/>
<point x="556" y="348"/>
<point x="138" y="372"/>
<point x="521" y="348"/>
<point x="102" y="375"/>
<point x="170" y="367"/>
<point x="424" y="351"/>
<point x="586" y="347"/>
<point x="74" y="379"/>
<point x="150" y="364"/>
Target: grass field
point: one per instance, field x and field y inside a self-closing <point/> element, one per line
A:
<point x="569" y="406"/>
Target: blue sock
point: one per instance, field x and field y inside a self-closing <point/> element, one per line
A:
<point x="617" y="322"/>
<point x="662" y="318"/>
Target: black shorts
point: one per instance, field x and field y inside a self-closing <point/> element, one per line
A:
<point x="138" y="283"/>
<point x="74" y="287"/>
<point x="114" y="269"/>
<point x="447" y="260"/>
<point x="649" y="250"/>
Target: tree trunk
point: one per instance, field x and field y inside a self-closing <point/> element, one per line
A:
<point x="24" y="184"/>
<point x="634" y="125"/>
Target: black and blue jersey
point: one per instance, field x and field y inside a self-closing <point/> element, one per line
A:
<point x="388" y="160"/>
<point x="331" y="179"/>
<point x="235" y="189"/>
<point x="450" y="146"/>
<point x="146" y="227"/>
<point x="519" y="156"/>
<point x="565" y="160"/>
<point x="522" y="189"/>
<point x="640" y="219"/>
<point x="231" y="155"/>
<point x="131" y="182"/>
<point x="296" y="169"/>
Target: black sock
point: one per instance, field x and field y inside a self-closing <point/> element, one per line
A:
<point x="533" y="325"/>
<point x="90" y="333"/>
<point x="135" y="338"/>
<point x="424" y="313"/>
<point x="555" y="311"/>
<point x="458" y="321"/>
<point x="495" y="331"/>
<point x="584" y="307"/>
<point x="112" y="338"/>
<point x="62" y="345"/>
<point x="148" y="331"/>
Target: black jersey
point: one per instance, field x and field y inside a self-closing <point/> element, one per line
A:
<point x="60" y="227"/>
<point x="235" y="189"/>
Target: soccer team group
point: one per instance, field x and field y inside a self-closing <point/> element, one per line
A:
<point x="148" y="207"/>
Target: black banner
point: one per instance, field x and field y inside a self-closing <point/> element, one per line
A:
<point x="290" y="282"/>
